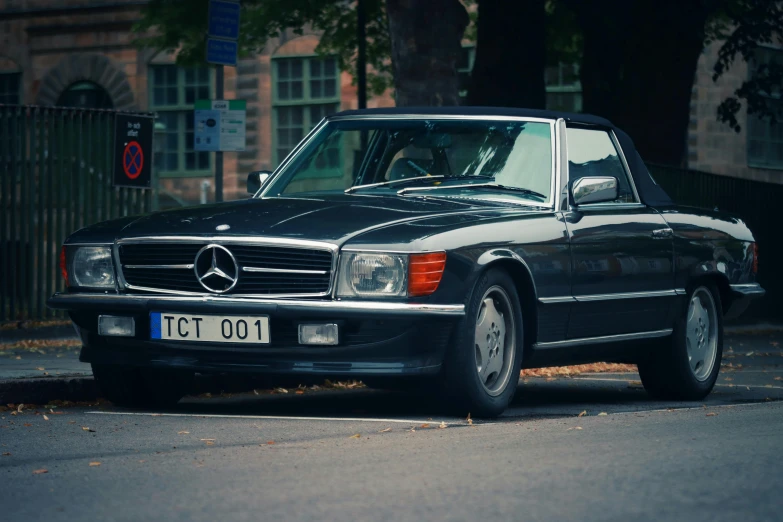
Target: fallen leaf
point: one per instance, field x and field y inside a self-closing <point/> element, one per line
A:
<point x="602" y="414"/>
<point x="584" y="412"/>
<point x="550" y="379"/>
<point x="635" y="383"/>
<point x="778" y="378"/>
<point x="94" y="464"/>
<point x="356" y="436"/>
<point x="385" y="430"/>
<point x="299" y="392"/>
<point x="270" y="442"/>
<point x="424" y="426"/>
<point x="207" y="440"/>
<point x="469" y="420"/>
<point x="574" y="428"/>
<point x="711" y="414"/>
<point x="26" y="424"/>
<point x="255" y="392"/>
<point x="7" y="454"/>
<point x="40" y="471"/>
<point x="45" y="417"/>
<point x="281" y="390"/>
<point x="728" y="379"/>
<point x="183" y="433"/>
<point x="210" y="443"/>
<point x="442" y="425"/>
<point x="747" y="388"/>
<point x="749" y="354"/>
<point x="20" y="408"/>
<point x="774" y="343"/>
<point x="85" y="428"/>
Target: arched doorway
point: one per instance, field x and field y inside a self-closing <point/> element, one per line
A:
<point x="85" y="95"/>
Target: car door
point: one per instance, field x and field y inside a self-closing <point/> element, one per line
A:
<point x="622" y="250"/>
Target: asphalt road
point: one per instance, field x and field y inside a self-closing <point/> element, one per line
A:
<point x="362" y="454"/>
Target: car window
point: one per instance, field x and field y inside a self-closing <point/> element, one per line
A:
<point x="361" y="152"/>
<point x="592" y="153"/>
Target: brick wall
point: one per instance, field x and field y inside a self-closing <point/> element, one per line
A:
<point x="713" y="146"/>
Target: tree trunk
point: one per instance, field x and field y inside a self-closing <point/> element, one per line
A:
<point x="638" y="69"/>
<point x="426" y="43"/>
<point x="510" y="55"/>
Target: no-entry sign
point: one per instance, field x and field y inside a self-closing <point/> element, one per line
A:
<point x="132" y="151"/>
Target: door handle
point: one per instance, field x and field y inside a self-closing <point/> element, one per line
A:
<point x="662" y="233"/>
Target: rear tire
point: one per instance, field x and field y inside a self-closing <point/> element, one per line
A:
<point x="686" y="365"/>
<point x="132" y="387"/>
<point x="481" y="369"/>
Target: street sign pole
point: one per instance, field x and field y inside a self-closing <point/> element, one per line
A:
<point x="219" y="154"/>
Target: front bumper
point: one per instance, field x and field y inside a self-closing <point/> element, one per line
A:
<point x="377" y="338"/>
<point x="741" y="297"/>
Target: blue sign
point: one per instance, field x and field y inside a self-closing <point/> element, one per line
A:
<point x="223" y="19"/>
<point x="222" y="52"/>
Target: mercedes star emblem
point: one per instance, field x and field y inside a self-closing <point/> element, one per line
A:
<point x="216" y="269"/>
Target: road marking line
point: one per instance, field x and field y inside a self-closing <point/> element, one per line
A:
<point x="275" y="417"/>
<point x="669" y="410"/>
<point x="723" y="385"/>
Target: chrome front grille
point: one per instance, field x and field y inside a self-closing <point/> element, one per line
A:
<point x="264" y="269"/>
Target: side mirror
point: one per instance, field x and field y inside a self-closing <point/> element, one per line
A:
<point x="594" y="189"/>
<point x="256" y="180"/>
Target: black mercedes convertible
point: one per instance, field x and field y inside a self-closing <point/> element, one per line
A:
<point x="437" y="248"/>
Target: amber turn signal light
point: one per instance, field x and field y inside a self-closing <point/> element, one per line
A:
<point x="63" y="265"/>
<point x="425" y="272"/>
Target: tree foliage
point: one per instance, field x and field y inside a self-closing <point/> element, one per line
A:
<point x="181" y="26"/>
<point x="743" y="26"/>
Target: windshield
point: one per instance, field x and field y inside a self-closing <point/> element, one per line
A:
<point x="437" y="157"/>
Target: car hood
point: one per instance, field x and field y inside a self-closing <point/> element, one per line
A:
<point x="334" y="219"/>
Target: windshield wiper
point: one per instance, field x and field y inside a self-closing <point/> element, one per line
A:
<point x="494" y="186"/>
<point x="394" y="182"/>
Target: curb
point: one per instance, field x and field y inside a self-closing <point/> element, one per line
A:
<point x="45" y="389"/>
<point x="41" y="390"/>
<point x="753" y="328"/>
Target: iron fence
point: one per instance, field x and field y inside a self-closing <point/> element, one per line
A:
<point x="55" y="177"/>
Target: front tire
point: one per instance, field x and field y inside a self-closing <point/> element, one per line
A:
<point x="481" y="370"/>
<point x="687" y="366"/>
<point x="132" y="387"/>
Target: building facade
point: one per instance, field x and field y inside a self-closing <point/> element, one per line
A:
<point x="80" y="53"/>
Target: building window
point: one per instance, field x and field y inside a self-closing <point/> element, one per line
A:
<point x="563" y="88"/>
<point x="464" y="67"/>
<point x="10" y="88"/>
<point x="85" y="95"/>
<point x="173" y="93"/>
<point x="304" y="91"/>
<point x="765" y="140"/>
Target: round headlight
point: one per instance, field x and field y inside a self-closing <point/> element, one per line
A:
<point x="92" y="267"/>
<point x="371" y="274"/>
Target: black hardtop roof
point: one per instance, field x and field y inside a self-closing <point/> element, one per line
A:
<point x="649" y="191"/>
<point x="480" y="111"/>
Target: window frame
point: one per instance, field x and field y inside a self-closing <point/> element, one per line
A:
<point x="623" y="162"/>
<point x="306" y="102"/>
<point x="753" y="121"/>
<point x="183" y="111"/>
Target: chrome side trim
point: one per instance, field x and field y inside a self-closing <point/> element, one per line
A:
<point x="327" y="306"/>
<point x="603" y="339"/>
<point x="680" y="291"/>
<point x="183" y="267"/>
<point x="748" y="289"/>
<point x="607" y="297"/>
<point x="625" y="295"/>
<point x="282" y="270"/>
<point x="556" y="300"/>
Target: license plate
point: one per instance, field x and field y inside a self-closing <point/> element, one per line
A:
<point x="209" y="328"/>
